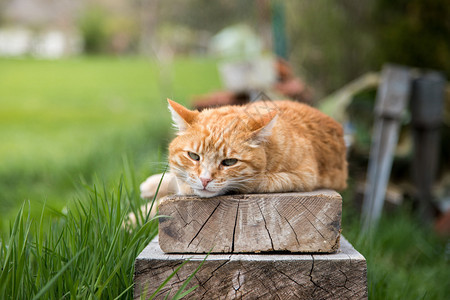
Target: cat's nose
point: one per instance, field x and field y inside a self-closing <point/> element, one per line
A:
<point x="205" y="181"/>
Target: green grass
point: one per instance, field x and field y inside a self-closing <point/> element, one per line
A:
<point x="63" y="124"/>
<point x="405" y="258"/>
<point x="60" y="120"/>
<point x="87" y="253"/>
<point x="65" y="128"/>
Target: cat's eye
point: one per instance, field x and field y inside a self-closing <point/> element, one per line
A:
<point x="229" y="162"/>
<point x="194" y="156"/>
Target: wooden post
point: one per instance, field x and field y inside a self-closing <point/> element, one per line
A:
<point x="254" y="276"/>
<point x="295" y="222"/>
<point x="392" y="98"/>
<point x="427" y="103"/>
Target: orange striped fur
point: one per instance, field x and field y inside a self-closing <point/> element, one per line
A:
<point x="262" y="147"/>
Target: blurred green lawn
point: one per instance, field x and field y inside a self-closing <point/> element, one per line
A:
<point x="66" y="119"/>
<point x="63" y="119"/>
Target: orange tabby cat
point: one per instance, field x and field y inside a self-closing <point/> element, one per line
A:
<point x="262" y="147"/>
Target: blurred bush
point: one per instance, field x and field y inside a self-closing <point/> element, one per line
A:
<point x="330" y="41"/>
<point x="414" y="33"/>
<point x="333" y="42"/>
<point x="93" y="30"/>
<point x="106" y="32"/>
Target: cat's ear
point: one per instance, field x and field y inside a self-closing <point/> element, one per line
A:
<point x="181" y="116"/>
<point x="262" y="133"/>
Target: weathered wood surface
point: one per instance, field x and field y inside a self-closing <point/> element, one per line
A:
<point x="427" y="105"/>
<point x="295" y="222"/>
<point x="392" y="99"/>
<point x="341" y="275"/>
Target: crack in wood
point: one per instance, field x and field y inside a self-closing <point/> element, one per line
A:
<point x="313" y="282"/>
<point x="163" y="291"/>
<point x="312" y="224"/>
<point x="265" y="225"/>
<point x="204" y="224"/>
<point x="240" y="276"/>
<point x="295" y="233"/>
<point x="181" y="216"/>
<point x="310" y="276"/>
<point x="345" y="283"/>
<point x="187" y="224"/>
<point x="212" y="273"/>
<point x="236" y="290"/>
<point x="290" y="226"/>
<point x="176" y="274"/>
<point x="287" y="276"/>
<point x="314" y="215"/>
<point x="309" y="221"/>
<point x="153" y="269"/>
<point x="235" y="224"/>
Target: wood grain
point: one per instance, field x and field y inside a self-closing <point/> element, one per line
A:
<point x="341" y="275"/>
<point x="295" y="222"/>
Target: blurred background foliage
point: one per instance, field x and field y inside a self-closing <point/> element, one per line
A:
<point x="334" y="42"/>
<point x="414" y="33"/>
<point x="330" y="42"/>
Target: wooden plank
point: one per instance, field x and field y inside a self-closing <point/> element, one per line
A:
<point x="392" y="98"/>
<point x="427" y="100"/>
<point x="295" y="222"/>
<point x="341" y="275"/>
<point x="427" y="104"/>
<point x="393" y="92"/>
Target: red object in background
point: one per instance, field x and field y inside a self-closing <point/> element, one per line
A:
<point x="220" y="98"/>
<point x="442" y="224"/>
<point x="283" y="69"/>
<point x="287" y="85"/>
<point x="294" y="89"/>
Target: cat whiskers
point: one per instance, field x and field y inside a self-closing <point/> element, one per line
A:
<point x="243" y="179"/>
<point x="236" y="184"/>
<point x="186" y="177"/>
<point x="241" y="183"/>
<point x="159" y="167"/>
<point x="182" y="174"/>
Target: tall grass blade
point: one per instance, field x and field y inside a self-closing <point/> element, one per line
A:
<point x="180" y="294"/>
<point x="124" y="292"/>
<point x="163" y="284"/>
<point x="156" y="195"/>
<point x="53" y="280"/>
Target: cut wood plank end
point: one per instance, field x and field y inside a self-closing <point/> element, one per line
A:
<point x="341" y="275"/>
<point x="295" y="222"/>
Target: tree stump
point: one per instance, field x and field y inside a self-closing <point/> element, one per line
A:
<point x="251" y="223"/>
<point x="341" y="275"/>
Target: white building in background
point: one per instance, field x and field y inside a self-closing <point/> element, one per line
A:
<point x="40" y="28"/>
<point x="51" y="44"/>
<point x="56" y="44"/>
<point x="15" y="41"/>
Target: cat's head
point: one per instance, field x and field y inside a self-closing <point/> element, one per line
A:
<point x="219" y="150"/>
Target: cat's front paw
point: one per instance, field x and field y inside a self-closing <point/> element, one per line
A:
<point x="149" y="186"/>
<point x="166" y="183"/>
